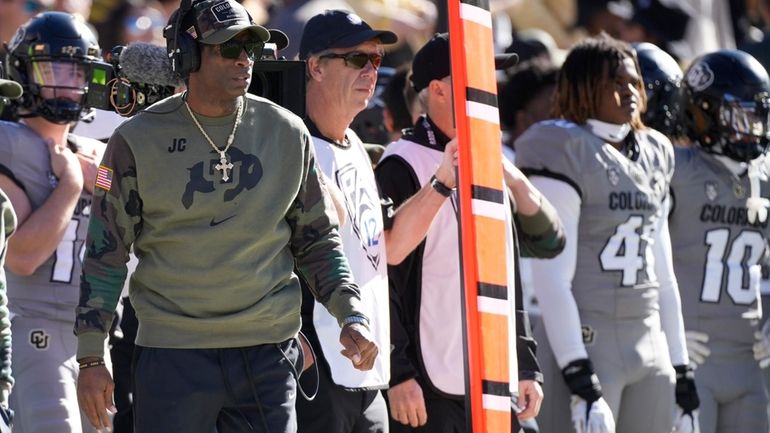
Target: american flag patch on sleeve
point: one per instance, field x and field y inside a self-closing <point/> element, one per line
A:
<point x="104" y="178"/>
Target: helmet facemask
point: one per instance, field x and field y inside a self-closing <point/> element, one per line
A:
<point x="738" y="129"/>
<point x="59" y="87"/>
<point x="744" y="127"/>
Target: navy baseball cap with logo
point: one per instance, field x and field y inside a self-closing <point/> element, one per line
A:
<point x="431" y="62"/>
<point x="218" y="21"/>
<point x="335" y="28"/>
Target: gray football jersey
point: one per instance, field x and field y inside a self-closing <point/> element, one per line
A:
<point x="52" y="291"/>
<point x="717" y="252"/>
<point x="621" y="199"/>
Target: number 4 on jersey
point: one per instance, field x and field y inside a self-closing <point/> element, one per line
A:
<point x="623" y="251"/>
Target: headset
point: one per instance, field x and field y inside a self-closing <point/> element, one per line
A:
<point x="182" y="48"/>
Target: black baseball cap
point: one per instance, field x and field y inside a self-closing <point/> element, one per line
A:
<point x="218" y="21"/>
<point x="432" y="62"/>
<point x="10" y="89"/>
<point x="336" y="28"/>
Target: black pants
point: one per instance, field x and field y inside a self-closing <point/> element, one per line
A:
<point x="121" y="352"/>
<point x="337" y="410"/>
<point x="234" y="390"/>
<point x="445" y="415"/>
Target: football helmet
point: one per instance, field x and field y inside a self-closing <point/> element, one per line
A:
<point x="662" y="78"/>
<point x="50" y="56"/>
<point x="726" y="95"/>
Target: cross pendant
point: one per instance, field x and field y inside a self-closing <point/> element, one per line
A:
<point x="224" y="166"/>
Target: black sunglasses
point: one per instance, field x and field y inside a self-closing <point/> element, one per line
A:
<point x="232" y="49"/>
<point x="356" y="60"/>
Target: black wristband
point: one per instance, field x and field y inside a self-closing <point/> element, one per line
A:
<point x="89" y="364"/>
<point x="582" y="381"/>
<point x="686" y="394"/>
<point x="440" y="187"/>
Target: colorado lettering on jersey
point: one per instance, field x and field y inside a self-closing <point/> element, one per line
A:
<point x="712" y="213"/>
<point x="630" y="200"/>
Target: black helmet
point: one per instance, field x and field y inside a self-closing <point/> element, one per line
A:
<point x="50" y="56"/>
<point x="662" y="78"/>
<point x="727" y="103"/>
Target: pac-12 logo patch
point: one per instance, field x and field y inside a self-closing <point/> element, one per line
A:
<point x="589" y="335"/>
<point x="364" y="211"/>
<point x="38" y="339"/>
<point x="711" y="190"/>
<point x="613" y="176"/>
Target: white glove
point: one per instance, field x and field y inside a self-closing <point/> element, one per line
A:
<point x="756" y="206"/>
<point x="697" y="350"/>
<point x="762" y="345"/>
<point x="756" y="209"/>
<point x="686" y="422"/>
<point x="594" y="419"/>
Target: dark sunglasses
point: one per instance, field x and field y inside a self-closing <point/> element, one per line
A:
<point x="232" y="49"/>
<point x="356" y="60"/>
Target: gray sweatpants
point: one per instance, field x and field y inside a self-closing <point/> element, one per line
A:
<point x="632" y="362"/>
<point x="44" y="397"/>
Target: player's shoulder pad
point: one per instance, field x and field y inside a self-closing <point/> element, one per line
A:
<point x="15" y="136"/>
<point x="545" y="142"/>
<point x="657" y="139"/>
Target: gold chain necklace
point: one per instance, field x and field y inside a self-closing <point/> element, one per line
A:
<point x="223" y="164"/>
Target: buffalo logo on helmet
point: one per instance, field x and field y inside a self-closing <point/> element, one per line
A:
<point x="700" y="76"/>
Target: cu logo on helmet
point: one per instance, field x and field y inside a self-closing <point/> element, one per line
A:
<point x="700" y="76"/>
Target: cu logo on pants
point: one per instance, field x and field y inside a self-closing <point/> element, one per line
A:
<point x="39" y="339"/>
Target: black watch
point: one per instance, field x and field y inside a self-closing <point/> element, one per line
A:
<point x="440" y="187"/>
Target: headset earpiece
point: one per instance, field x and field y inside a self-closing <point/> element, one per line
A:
<point x="188" y="54"/>
<point x="182" y="48"/>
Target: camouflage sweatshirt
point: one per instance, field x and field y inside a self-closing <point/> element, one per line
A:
<point x="215" y="256"/>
